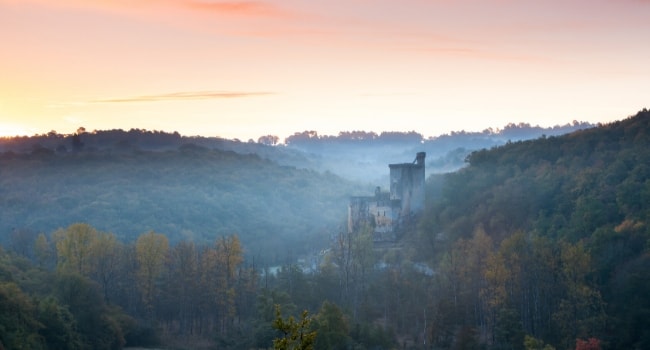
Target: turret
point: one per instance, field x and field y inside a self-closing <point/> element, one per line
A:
<point x="419" y="158"/>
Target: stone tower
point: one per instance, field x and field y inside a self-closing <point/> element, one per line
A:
<point x="407" y="186"/>
<point x="386" y="212"/>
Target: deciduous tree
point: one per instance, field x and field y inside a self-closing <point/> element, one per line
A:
<point x="105" y="259"/>
<point x="74" y="246"/>
<point x="151" y="251"/>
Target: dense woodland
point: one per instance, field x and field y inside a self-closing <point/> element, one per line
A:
<point x="360" y="156"/>
<point x="536" y="244"/>
<point x="192" y="193"/>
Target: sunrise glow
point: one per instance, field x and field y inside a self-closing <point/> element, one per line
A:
<point x="242" y="69"/>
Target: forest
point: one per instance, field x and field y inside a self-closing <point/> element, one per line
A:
<point x="534" y="244"/>
<point x="191" y="193"/>
<point x="359" y="156"/>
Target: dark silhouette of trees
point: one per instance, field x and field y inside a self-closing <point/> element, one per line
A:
<point x="77" y="145"/>
<point x="269" y="140"/>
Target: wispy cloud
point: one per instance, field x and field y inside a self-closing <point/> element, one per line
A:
<point x="193" y="95"/>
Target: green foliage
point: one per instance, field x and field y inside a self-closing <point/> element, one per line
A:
<point x="580" y="312"/>
<point x="18" y="324"/>
<point x="192" y="193"/>
<point x="509" y="333"/>
<point x="294" y="335"/>
<point x="74" y="246"/>
<point x="151" y="252"/>
<point x="267" y="303"/>
<point x="59" y="329"/>
<point x="332" y="328"/>
<point x="532" y="343"/>
<point x="371" y="336"/>
<point x="568" y="218"/>
<point x="43" y="250"/>
<point x="547" y="238"/>
<point x="97" y="327"/>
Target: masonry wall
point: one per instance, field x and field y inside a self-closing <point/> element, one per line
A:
<point x="385" y="212"/>
<point x="407" y="186"/>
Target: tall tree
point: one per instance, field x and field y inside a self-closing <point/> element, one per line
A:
<point x="220" y="266"/>
<point x="353" y="254"/>
<point x="151" y="251"/>
<point x="229" y="256"/>
<point x="479" y="253"/>
<point x="580" y="313"/>
<point x="268" y="301"/>
<point x="183" y="285"/>
<point x="105" y="259"/>
<point x="74" y="246"/>
<point x="332" y="327"/>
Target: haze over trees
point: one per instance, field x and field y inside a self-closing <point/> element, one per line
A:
<point x="190" y="193"/>
<point x="355" y="155"/>
<point x="535" y="244"/>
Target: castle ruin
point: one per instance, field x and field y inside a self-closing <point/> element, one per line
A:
<point x="387" y="213"/>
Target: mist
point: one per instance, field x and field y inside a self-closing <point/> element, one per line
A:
<point x="372" y="241"/>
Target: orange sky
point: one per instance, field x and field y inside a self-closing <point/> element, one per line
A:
<point x="241" y="69"/>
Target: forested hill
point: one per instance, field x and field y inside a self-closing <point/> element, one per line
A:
<point x="553" y="230"/>
<point x="191" y="193"/>
<point x="566" y="187"/>
<point x="356" y="155"/>
<point x="367" y="153"/>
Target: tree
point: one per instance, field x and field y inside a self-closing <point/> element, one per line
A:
<point x="295" y="335"/>
<point x="82" y="297"/>
<point x="43" y="250"/>
<point x="494" y="294"/>
<point x="353" y="253"/>
<point x="332" y="327"/>
<point x="581" y="311"/>
<point x="508" y="331"/>
<point x="479" y="254"/>
<point x="228" y="258"/>
<point x="21" y="241"/>
<point x="183" y="286"/>
<point x="74" y="246"/>
<point x="267" y="303"/>
<point x="77" y="144"/>
<point x="59" y="326"/>
<point x="18" y="327"/>
<point x="269" y="140"/>
<point x="105" y="260"/>
<point x="151" y="251"/>
<point x="532" y="343"/>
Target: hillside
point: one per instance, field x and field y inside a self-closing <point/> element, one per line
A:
<point x="355" y="155"/>
<point x="554" y="231"/>
<point x="363" y="156"/>
<point x="564" y="187"/>
<point x="537" y="244"/>
<point x="191" y="193"/>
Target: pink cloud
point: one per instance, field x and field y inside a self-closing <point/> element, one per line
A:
<point x="243" y="8"/>
<point x="192" y="95"/>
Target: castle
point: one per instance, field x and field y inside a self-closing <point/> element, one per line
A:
<point x="388" y="212"/>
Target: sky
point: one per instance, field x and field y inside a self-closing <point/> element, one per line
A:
<point x="243" y="69"/>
